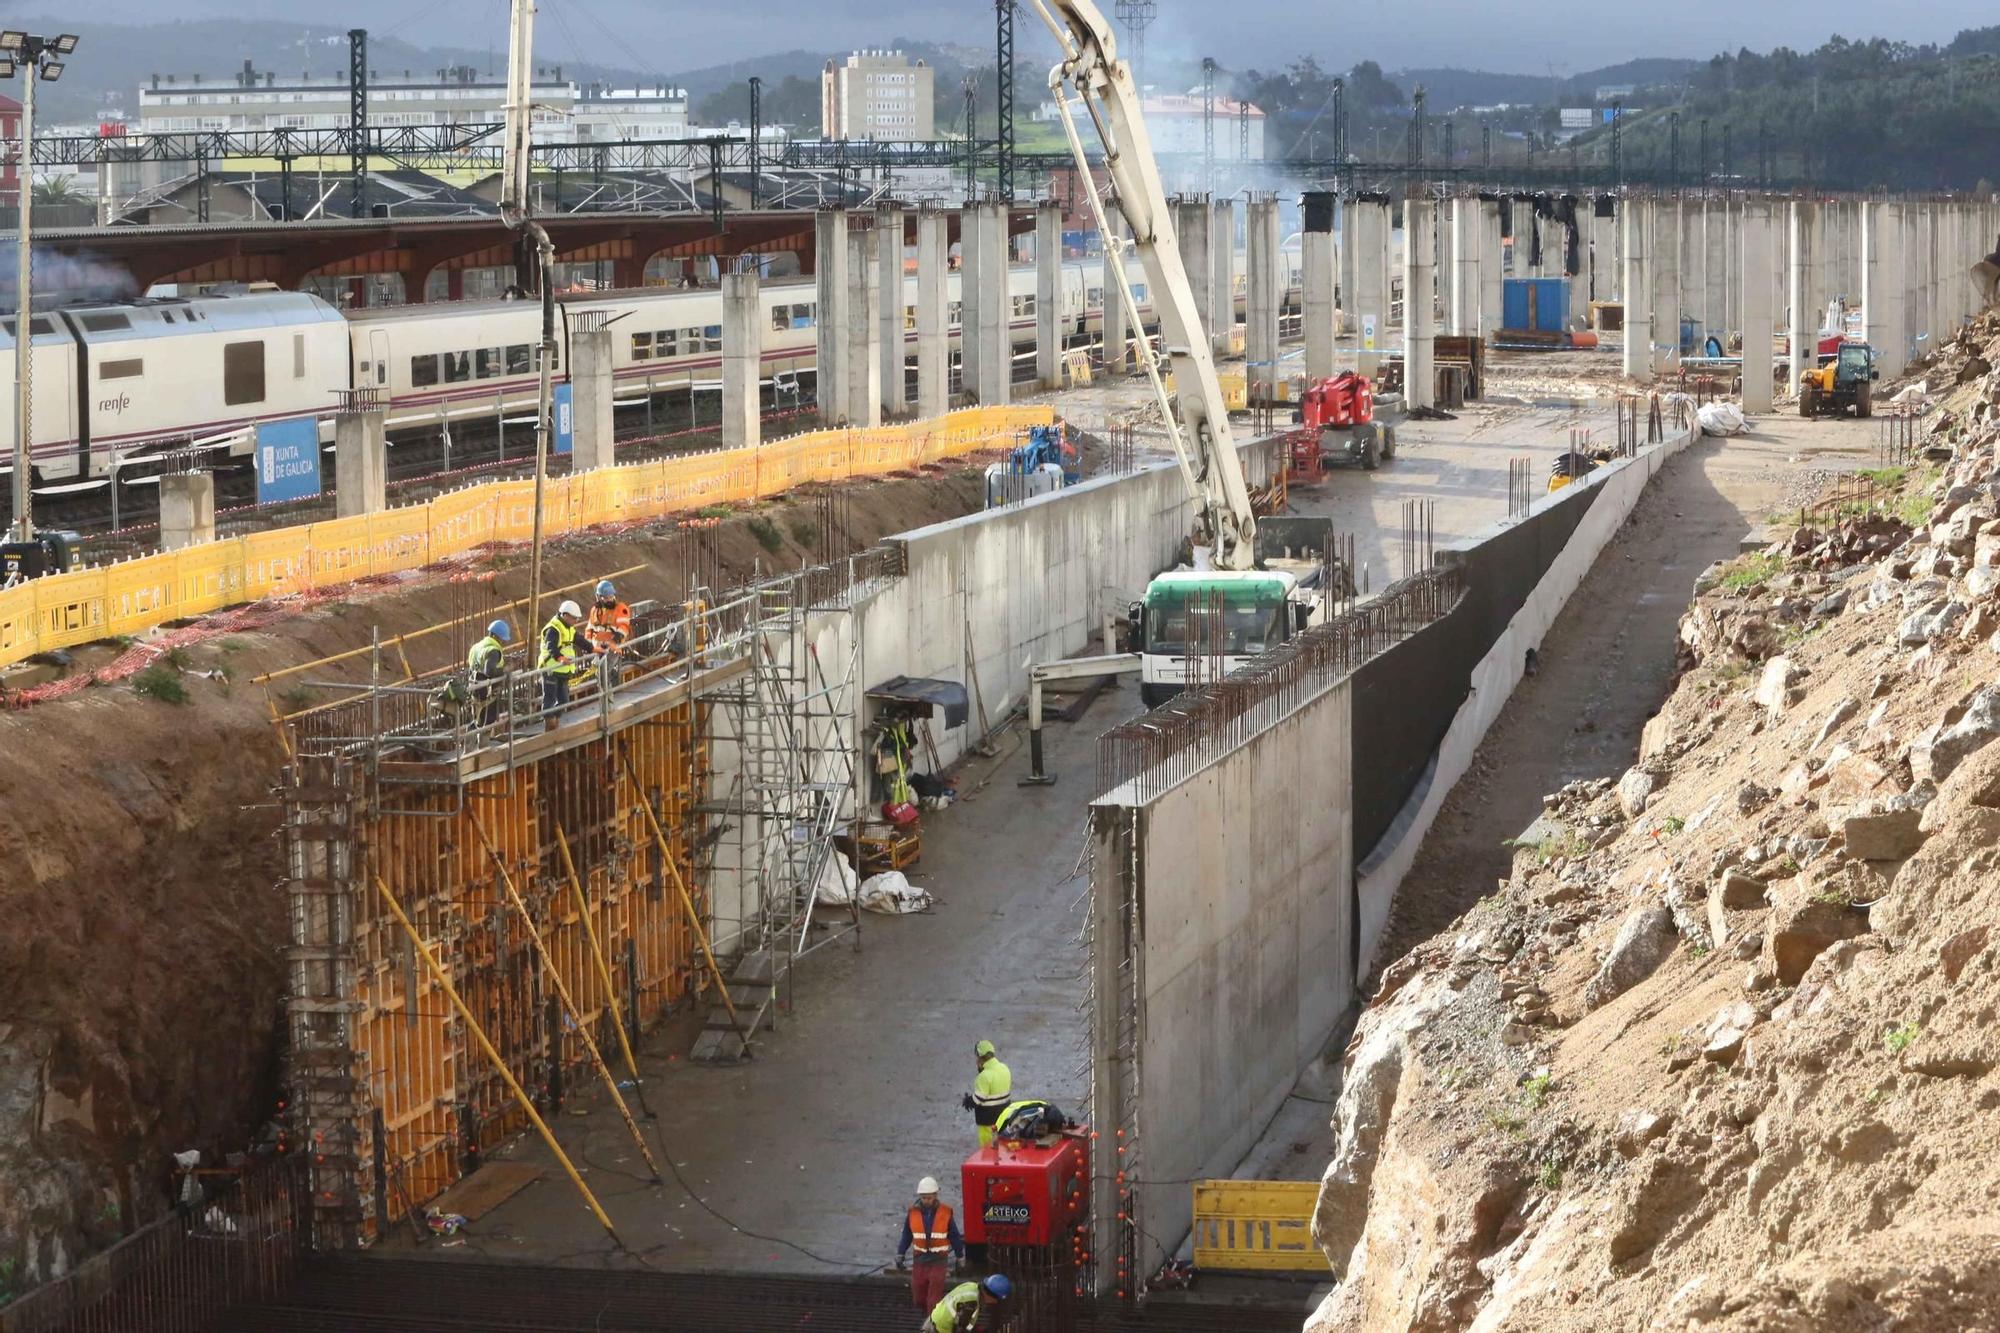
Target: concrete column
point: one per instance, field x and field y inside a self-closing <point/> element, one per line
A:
<point x="864" y="331"/>
<point x="1465" y="248"/>
<point x="969" y="219"/>
<point x="996" y="308"/>
<point x="1191" y="223"/>
<point x="1492" y="282"/>
<point x="187" y="509"/>
<point x="1759" y="261"/>
<point x="1370" y="310"/>
<point x="890" y="300"/>
<point x="1637" y="361"/>
<point x="1804" y="323"/>
<point x="1419" y="310"/>
<point x="933" y="310"/>
<point x="1344" y="270"/>
<point x="1116" y="335"/>
<point x="1048" y="294"/>
<point x="742" y="362"/>
<point x="1222" y="274"/>
<point x="591" y="432"/>
<point x="360" y="462"/>
<point x="1261" y="292"/>
<point x="1319" y="266"/>
<point x="1666" y="256"/>
<point x="1882" y="284"/>
<point x="830" y="315"/>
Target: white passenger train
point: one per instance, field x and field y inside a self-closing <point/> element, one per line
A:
<point x="120" y="381"/>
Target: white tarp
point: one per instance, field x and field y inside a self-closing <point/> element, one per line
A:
<point x="892" y="894"/>
<point x="1721" y="419"/>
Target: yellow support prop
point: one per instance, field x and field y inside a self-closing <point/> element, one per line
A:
<point x="687" y="899"/>
<point x="568" y="1001"/>
<point x="597" y="956"/>
<point x="500" y="1066"/>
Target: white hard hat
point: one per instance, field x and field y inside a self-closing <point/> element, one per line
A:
<point x="928" y="1185"/>
<point x="569" y="608"/>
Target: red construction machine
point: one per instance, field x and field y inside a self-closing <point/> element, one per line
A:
<point x="1339" y="420"/>
<point x="1027" y="1212"/>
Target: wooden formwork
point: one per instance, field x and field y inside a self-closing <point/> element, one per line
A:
<point x="424" y="1103"/>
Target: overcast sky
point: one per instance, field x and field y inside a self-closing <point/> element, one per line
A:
<point x="1501" y="35"/>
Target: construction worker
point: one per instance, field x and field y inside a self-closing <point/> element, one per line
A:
<point x="561" y="658"/>
<point x="1030" y="1119"/>
<point x="610" y="624"/>
<point x="992" y="1087"/>
<point x="484" y="666"/>
<point x="930" y="1230"/>
<point x="961" y="1311"/>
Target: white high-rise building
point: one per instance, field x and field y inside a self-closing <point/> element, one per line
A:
<point x="876" y="95"/>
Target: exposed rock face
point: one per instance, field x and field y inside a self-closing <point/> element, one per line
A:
<point x="1736" y="1066"/>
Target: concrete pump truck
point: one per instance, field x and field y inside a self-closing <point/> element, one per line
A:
<point x="1252" y="586"/>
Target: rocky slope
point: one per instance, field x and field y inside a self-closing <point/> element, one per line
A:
<point x="1720" y="1052"/>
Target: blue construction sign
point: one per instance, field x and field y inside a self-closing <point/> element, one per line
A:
<point x="565" y="417"/>
<point x="287" y="459"/>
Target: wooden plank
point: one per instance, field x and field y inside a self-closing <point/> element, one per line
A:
<point x="486" y="1189"/>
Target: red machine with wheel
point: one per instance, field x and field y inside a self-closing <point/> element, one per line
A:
<point x="1336" y="423"/>
<point x="1027" y="1213"/>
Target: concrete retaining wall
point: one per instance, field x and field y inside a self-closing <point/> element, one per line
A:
<point x="1244" y="921"/>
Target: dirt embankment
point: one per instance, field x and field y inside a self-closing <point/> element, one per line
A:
<point x="141" y="970"/>
<point x="1721" y="1051"/>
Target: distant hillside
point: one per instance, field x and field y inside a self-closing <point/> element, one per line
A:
<point x="1449" y="89"/>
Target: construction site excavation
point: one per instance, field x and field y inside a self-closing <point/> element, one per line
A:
<point x="1141" y="723"/>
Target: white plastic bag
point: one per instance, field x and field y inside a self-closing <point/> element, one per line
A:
<point x="1721" y="419"/>
<point x="892" y="894"/>
<point x="836" y="881"/>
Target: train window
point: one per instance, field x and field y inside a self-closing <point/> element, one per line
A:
<point x="242" y="373"/>
<point x="955" y="314"/>
<point x="423" y="371"/>
<point x="105" y="323"/>
<point x="909" y="317"/>
<point x="803" y="316"/>
<point x="121" y="370"/>
<point x="1094" y="297"/>
<point x="1138" y="292"/>
<point x="457" y="367"/>
<point x="781" y="316"/>
<point x="711" y="338"/>
<point x="298" y="356"/>
<point x="36" y="327"/>
<point x="667" y="342"/>
<point x="489" y="363"/>
<point x="642" y="346"/>
<point x="520" y="358"/>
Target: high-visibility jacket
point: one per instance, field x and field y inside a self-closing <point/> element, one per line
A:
<point x="958" y="1309"/>
<point x="609" y="626"/>
<point x="1030" y="1104"/>
<point x="933" y="1239"/>
<point x="991" y="1091"/>
<point x="559" y="653"/>
<point x="486" y="658"/>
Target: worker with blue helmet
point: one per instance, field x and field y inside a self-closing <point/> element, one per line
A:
<point x="610" y="623"/>
<point x="484" y="666"/>
<point x="960" y="1310"/>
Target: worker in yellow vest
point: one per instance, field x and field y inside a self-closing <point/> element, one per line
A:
<point x="960" y="1311"/>
<point x="992" y="1089"/>
<point x="931" y="1232"/>
<point x="561" y="657"/>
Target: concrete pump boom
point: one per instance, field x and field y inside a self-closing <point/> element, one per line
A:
<point x="1196" y="417"/>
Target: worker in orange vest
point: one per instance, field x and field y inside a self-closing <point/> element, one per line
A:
<point x="931" y="1231"/>
<point x="610" y="623"/>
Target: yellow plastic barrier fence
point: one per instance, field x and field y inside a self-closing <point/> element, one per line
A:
<point x="1259" y="1226"/>
<point x="88" y="604"/>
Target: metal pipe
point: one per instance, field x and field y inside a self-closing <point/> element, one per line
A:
<point x="521" y="1098"/>
<point x="603" y="968"/>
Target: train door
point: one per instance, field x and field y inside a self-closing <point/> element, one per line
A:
<point x="378" y="360"/>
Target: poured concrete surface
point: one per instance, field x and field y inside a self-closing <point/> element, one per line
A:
<point x="821" y="1138"/>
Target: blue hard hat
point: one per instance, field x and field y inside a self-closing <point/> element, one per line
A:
<point x="498" y="629"/>
<point x="998" y="1287"/>
<point x="604" y="588"/>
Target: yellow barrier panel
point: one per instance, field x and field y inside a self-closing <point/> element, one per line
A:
<point x="88" y="604"/>
<point x="1261" y="1226"/>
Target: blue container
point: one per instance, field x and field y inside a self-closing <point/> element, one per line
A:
<point x="1539" y="305"/>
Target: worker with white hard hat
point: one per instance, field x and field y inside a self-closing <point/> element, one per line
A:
<point x="931" y="1232"/>
<point x="561" y="657"/>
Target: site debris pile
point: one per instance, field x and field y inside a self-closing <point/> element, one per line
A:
<point x="1720" y="1052"/>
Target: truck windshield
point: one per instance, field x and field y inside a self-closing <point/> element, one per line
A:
<point x="1246" y="629"/>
